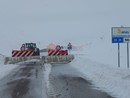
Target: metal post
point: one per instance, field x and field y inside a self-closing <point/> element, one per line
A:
<point x="118" y="55"/>
<point x="128" y="55"/>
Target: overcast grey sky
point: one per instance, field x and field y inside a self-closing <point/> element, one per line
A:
<point x="60" y="21"/>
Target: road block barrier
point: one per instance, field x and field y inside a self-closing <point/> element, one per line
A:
<point x="22" y="53"/>
<point x="57" y="52"/>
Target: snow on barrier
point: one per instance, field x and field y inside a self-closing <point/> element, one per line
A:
<point x="46" y="77"/>
<point x="45" y="59"/>
<point x="57" y="59"/>
<point x="13" y="60"/>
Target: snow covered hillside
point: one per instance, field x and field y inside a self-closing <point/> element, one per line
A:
<point x="103" y="51"/>
<point x="84" y="22"/>
<point x="62" y="21"/>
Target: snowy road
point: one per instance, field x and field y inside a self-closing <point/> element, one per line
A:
<point x="66" y="82"/>
<point x="27" y="81"/>
<point x="24" y="82"/>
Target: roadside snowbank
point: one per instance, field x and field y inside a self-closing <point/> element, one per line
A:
<point x="6" y="69"/>
<point x="1" y="59"/>
<point x="115" y="81"/>
<point x="46" y="79"/>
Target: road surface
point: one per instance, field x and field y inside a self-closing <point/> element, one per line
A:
<point x="26" y="81"/>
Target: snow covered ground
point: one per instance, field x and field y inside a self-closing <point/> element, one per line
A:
<point x="113" y="80"/>
<point x="1" y="59"/>
<point x="107" y="78"/>
<point x="6" y="69"/>
<point x="86" y="22"/>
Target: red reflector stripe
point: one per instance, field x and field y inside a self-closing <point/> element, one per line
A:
<point x="22" y="53"/>
<point x="57" y="52"/>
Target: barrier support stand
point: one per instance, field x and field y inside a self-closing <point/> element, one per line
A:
<point x="118" y="55"/>
<point x="127" y="55"/>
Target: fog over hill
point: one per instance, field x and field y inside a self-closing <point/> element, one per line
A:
<point x="81" y="22"/>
